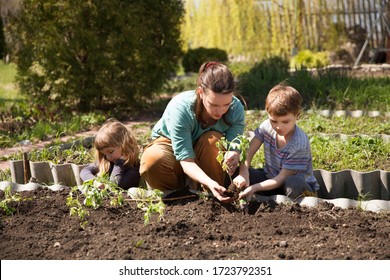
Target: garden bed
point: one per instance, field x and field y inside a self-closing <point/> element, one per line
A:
<point x="198" y="228"/>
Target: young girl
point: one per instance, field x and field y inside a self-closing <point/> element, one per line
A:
<point x="116" y="155"/>
<point x="288" y="164"/>
<point x="185" y="137"/>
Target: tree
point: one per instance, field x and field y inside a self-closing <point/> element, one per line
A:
<point x="88" y="54"/>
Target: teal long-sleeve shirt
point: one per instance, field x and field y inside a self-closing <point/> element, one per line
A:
<point x="179" y="124"/>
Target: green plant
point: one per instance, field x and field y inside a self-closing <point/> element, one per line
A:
<point x="309" y="59"/>
<point x="96" y="64"/>
<point x="5" y="175"/>
<point x="194" y="58"/>
<point x="361" y="198"/>
<point x="239" y="143"/>
<point x="150" y="201"/>
<point x="94" y="196"/>
<point x="8" y="199"/>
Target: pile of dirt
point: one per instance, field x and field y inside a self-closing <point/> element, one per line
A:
<point x="196" y="228"/>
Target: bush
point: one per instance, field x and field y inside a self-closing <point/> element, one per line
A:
<point x="255" y="84"/>
<point x="90" y="54"/>
<point x="194" y="58"/>
<point x="309" y="59"/>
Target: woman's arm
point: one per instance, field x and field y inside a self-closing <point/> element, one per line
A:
<point x="196" y="173"/>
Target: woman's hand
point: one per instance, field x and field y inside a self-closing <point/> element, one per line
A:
<point x="232" y="159"/>
<point x="218" y="191"/>
<point x="242" y="180"/>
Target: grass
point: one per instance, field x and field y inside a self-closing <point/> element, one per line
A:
<point x="313" y="123"/>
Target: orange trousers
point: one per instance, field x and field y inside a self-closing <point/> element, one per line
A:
<point x="162" y="171"/>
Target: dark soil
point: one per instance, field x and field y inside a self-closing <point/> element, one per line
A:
<point x="192" y="229"/>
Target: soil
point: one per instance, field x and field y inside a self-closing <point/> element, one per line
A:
<point x="192" y="229"/>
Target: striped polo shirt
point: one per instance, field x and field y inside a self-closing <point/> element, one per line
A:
<point x="295" y="155"/>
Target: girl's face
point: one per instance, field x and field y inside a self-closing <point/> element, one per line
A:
<point x="112" y="153"/>
<point x="216" y="104"/>
<point x="283" y="125"/>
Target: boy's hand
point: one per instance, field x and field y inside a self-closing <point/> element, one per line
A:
<point x="247" y="193"/>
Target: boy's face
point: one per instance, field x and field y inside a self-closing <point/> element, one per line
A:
<point x="283" y="125"/>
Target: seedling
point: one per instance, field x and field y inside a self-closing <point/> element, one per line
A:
<point x="8" y="199"/>
<point x="150" y="201"/>
<point x="94" y="197"/>
<point x="241" y="144"/>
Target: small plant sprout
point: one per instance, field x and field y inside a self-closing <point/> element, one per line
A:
<point x="8" y="199"/>
<point x="150" y="201"/>
<point x="94" y="196"/>
<point x="362" y="197"/>
<point x="241" y="144"/>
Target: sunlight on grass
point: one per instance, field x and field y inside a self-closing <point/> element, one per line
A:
<point x="8" y="88"/>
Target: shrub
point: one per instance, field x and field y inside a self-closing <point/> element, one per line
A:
<point x="255" y="84"/>
<point x="309" y="59"/>
<point x="194" y="58"/>
<point x="88" y="54"/>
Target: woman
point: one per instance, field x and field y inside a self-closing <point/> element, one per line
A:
<point x="184" y="139"/>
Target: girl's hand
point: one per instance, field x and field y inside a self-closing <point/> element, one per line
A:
<point x="98" y="185"/>
<point x="232" y="159"/>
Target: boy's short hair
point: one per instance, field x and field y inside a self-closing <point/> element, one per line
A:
<point x="283" y="99"/>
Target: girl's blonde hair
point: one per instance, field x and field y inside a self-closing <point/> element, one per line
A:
<point x="115" y="134"/>
<point x="283" y="99"/>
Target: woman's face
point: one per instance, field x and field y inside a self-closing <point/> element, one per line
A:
<point x="216" y="104"/>
<point x="112" y="153"/>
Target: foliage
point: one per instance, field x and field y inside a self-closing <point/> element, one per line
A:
<point x="94" y="197"/>
<point x="329" y="89"/>
<point x="77" y="154"/>
<point x="194" y="58"/>
<point x="5" y="175"/>
<point x="309" y="59"/>
<point x="25" y="127"/>
<point x="253" y="30"/>
<point x="255" y="84"/>
<point x="8" y="199"/>
<point x="239" y="143"/>
<point x="150" y="201"/>
<point x="87" y="54"/>
<point x="357" y="153"/>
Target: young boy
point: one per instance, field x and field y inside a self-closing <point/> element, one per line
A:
<point x="288" y="166"/>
